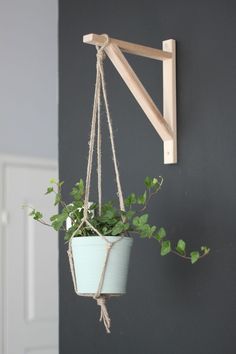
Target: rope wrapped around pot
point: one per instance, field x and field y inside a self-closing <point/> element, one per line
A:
<point x="100" y="89"/>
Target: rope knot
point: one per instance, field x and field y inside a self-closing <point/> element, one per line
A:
<point x="101" y="55"/>
<point x="109" y="245"/>
<point x="100" y="51"/>
<point x="104" y="315"/>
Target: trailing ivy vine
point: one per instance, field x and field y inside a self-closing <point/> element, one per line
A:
<point x="112" y="221"/>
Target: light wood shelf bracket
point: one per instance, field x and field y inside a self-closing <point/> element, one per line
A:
<point x="165" y="124"/>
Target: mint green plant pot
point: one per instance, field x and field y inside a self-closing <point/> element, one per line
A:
<point x="89" y="254"/>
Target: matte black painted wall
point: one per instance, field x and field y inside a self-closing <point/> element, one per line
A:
<point x="171" y="307"/>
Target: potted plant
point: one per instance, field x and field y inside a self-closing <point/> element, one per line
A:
<point x="99" y="270"/>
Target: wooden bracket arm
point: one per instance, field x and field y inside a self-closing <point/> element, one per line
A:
<point x="138" y="91"/>
<point x="127" y="47"/>
<point x="165" y="127"/>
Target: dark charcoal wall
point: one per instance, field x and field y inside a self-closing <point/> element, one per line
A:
<point x="171" y="307"/>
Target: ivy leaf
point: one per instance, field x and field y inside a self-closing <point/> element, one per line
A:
<point x="194" y="256"/>
<point x="108" y="215"/>
<point x="160" y="234"/>
<point x="180" y="248"/>
<point x="118" y="228"/>
<point x="49" y="190"/>
<point x="165" y="247"/>
<point x="148" y="182"/>
<point x="126" y="226"/>
<point x="139" y="221"/>
<point x="143" y="219"/>
<point x="130" y="200"/>
<point x="53" y="217"/>
<point x="106" y="231"/>
<point x="128" y="214"/>
<point x="36" y="214"/>
<point x="153" y="229"/>
<point x="146" y="230"/>
<point x="70" y="232"/>
<point x="80" y="186"/>
<point x="57" y="199"/>
<point x="155" y="182"/>
<point x="58" y="220"/>
<point x="142" y="199"/>
<point x="32" y="212"/>
<point x="78" y="191"/>
<point x="205" y="249"/>
<point x="53" y="181"/>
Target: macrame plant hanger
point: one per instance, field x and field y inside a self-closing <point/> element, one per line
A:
<point x="100" y="90"/>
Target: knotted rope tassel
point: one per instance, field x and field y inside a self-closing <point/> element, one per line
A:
<point x="104" y="315"/>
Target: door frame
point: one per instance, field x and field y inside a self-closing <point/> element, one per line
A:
<point x="5" y="161"/>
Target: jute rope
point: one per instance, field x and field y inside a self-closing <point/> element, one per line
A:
<point x="100" y="88"/>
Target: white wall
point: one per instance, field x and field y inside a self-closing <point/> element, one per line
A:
<point x="29" y="77"/>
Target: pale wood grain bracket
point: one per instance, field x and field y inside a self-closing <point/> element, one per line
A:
<point x="165" y="124"/>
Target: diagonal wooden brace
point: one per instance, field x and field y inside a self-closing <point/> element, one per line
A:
<point x="165" y="126"/>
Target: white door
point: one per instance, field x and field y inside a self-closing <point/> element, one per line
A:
<point x="29" y="261"/>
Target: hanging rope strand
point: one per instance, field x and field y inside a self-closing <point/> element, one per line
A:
<point x="119" y="189"/>
<point x="100" y="87"/>
<point x="99" y="152"/>
<point x="91" y="143"/>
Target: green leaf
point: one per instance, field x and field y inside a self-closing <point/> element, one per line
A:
<point x="118" y="228"/>
<point x="155" y="182"/>
<point x="37" y="215"/>
<point x="139" y="221"/>
<point x="160" y="234"/>
<point x="60" y="184"/>
<point x="128" y="214"/>
<point x="53" y="181"/>
<point x="148" y="182"/>
<point x="49" y="190"/>
<point x="32" y="212"/>
<point x="130" y="200"/>
<point x="136" y="221"/>
<point x="109" y="214"/>
<point x="146" y="231"/>
<point x="106" y="231"/>
<point x="53" y="217"/>
<point x="143" y="230"/>
<point x="180" y="248"/>
<point x="165" y="247"/>
<point x="205" y="249"/>
<point x="80" y="185"/>
<point x="58" y="220"/>
<point x="142" y="199"/>
<point x="194" y="256"/>
<point x="126" y="226"/>
<point x="143" y="219"/>
<point x="71" y="231"/>
<point x="78" y="191"/>
<point x="57" y="199"/>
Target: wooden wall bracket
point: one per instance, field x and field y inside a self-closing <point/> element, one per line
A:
<point x="165" y="124"/>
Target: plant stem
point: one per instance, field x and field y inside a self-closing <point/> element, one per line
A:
<point x="187" y="257"/>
